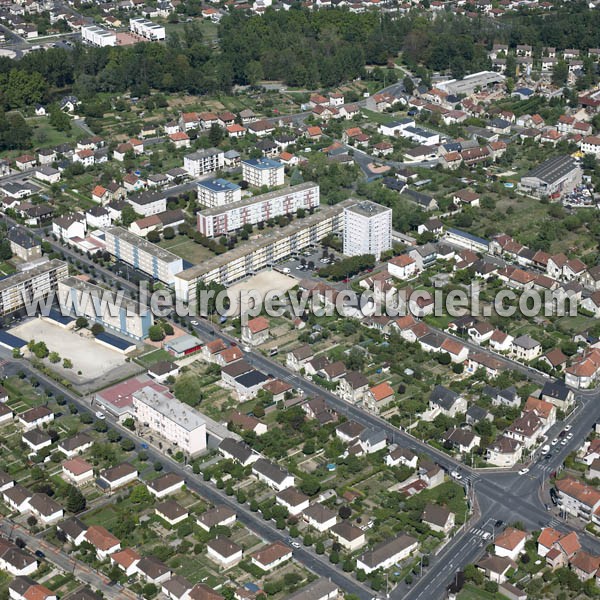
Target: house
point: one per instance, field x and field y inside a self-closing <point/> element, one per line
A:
<point x="272" y="475"/>
<point x="172" y="512"/>
<point x="352" y="387"/>
<point x="153" y="570"/>
<point x="74" y="530"/>
<point x="438" y="518"/>
<point x="525" y="429"/>
<point x="320" y="517"/>
<point x="504" y="452"/>
<point x="402" y="267"/>
<point x="77" y="471"/>
<point x="349" y="431"/>
<point x="294" y="501"/>
<point x="481" y="332"/>
<point x="348" y="536"/>
<point x="75" y="445"/>
<point x="271" y="556"/>
<point x="297" y="358"/>
<point x="224" y="552"/>
<point x="45" y="509"/>
<point x="379" y="397"/>
<point x="247" y="423"/>
<point x="179" y="588"/>
<point x="220" y="516"/>
<point x="161" y="371"/>
<point x="577" y="498"/>
<point x="462" y="440"/>
<point x="116" y="477"/>
<point x="126" y="560"/>
<point x="401" y="456"/>
<point x="585" y="565"/>
<point x="525" y="348"/>
<point x="69" y="226"/>
<point x="104" y="542"/>
<point x="558" y="394"/>
<point x="36" y="439"/>
<point x="510" y="543"/>
<point x="446" y="401"/>
<point x="563" y="550"/>
<point x="35" y="417"/>
<point x="47" y="174"/>
<point x="387" y="553"/>
<point x="25" y="588"/>
<point x="238" y="451"/>
<point x="496" y="568"/>
<point x="255" y="331"/>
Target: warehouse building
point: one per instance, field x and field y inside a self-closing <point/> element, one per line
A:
<point x="553" y="178"/>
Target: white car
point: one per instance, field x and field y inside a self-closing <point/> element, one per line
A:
<point x="555" y="441"/>
<point x="486" y="535"/>
<point x="456" y="475"/>
<point x="524" y="471"/>
<point x="100" y="415"/>
<point x="570" y="436"/>
<point x="545" y="449"/>
<point x="193" y="322"/>
<point x="247" y="349"/>
<point x="295" y="545"/>
<point x="568" y="427"/>
<point x="563" y="443"/>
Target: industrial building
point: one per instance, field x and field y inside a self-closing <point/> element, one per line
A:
<point x="142" y="254"/>
<point x="553" y="178"/>
<point x="470" y="83"/>
<point x="222" y="220"/>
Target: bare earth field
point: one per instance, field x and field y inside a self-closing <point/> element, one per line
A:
<point x="262" y="283"/>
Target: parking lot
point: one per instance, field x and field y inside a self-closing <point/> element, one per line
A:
<point x="306" y="264"/>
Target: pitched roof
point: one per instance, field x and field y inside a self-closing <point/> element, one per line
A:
<point x="510" y="538"/>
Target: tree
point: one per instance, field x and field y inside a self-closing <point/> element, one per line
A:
<point x="310" y="485"/>
<point x="345" y="512"/>
<point x="156" y="333"/>
<point x="128" y="215"/>
<point x="59" y="119"/>
<point x="54" y="357"/>
<point x="320" y="547"/>
<point x="188" y="389"/>
<point x="97" y="329"/>
<point x="81" y="322"/>
<point x="153" y="236"/>
<point x="409" y="85"/>
<point x="67" y="363"/>
<point x="75" y="500"/>
<point x="127" y="445"/>
<point x="168" y="233"/>
<point x="140" y="494"/>
<point x="560" y="73"/>
<point x="215" y="134"/>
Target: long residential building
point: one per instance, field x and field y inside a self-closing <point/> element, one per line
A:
<point x="31" y="284"/>
<point x="143" y="255"/>
<point x="174" y="421"/>
<point x="147" y="29"/>
<point x="121" y="314"/>
<point x="98" y="36"/>
<point x="223" y="219"/>
<point x="255" y="255"/>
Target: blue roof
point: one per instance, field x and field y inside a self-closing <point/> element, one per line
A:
<point x="219" y="185"/>
<point x="59" y="318"/>
<point x="115" y="341"/>
<point x="420" y="131"/>
<point x="10" y="340"/>
<point x="523" y="91"/>
<point x="251" y="587"/>
<point x="263" y="163"/>
<point x="469" y="236"/>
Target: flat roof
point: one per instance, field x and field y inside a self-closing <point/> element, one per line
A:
<point x="170" y="408"/>
<point x="468" y="236"/>
<point x="217" y="210"/>
<point x="367" y="208"/>
<point x="143" y="244"/>
<point x="121" y="395"/>
<point x="203" y="153"/>
<point x="262" y="163"/>
<point x="113" y="340"/>
<point x="9" y="340"/>
<point x="267" y="237"/>
<point x="183" y="343"/>
<point x="23" y="276"/>
<point x="218" y="185"/>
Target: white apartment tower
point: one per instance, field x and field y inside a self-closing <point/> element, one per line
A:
<point x="367" y="229"/>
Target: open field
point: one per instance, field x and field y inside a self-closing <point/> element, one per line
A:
<point x="262" y="283"/>
<point x="187" y="249"/>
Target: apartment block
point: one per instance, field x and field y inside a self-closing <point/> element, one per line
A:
<point x="263" y="171"/>
<point x="367" y="229"/>
<point x="147" y="29"/>
<point x="204" y="161"/>
<point x="143" y="255"/>
<point x="255" y="255"/>
<point x="222" y="220"/>
<point x="218" y="192"/>
<point x="174" y="421"/>
<point x="33" y="284"/>
<point x="120" y="314"/>
<point x="98" y="36"/>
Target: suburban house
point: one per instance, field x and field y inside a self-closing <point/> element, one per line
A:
<point x="224" y="552"/>
<point x="510" y="543"/>
<point x="272" y="475"/>
<point x="387" y="553"/>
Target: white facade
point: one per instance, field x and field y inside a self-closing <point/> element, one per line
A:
<point x="143" y="255"/>
<point x="148" y="205"/>
<point x="367" y="229"/>
<point x="98" y="36"/>
<point x="147" y="29"/>
<point x="263" y="171"/>
<point x="172" y="420"/>
<point x="220" y="221"/>
<point x="218" y="192"/>
<point x="204" y="161"/>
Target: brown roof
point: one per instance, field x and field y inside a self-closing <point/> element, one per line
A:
<point x="271" y="553"/>
<point x="292" y="496"/>
<point x="171" y="510"/>
<point x="436" y="515"/>
<point x="77" y="466"/>
<point x="101" y="538"/>
<point x="115" y="473"/>
<point x="33" y="414"/>
<point x="215" y="516"/>
<point x="347" y="531"/>
<point x="125" y="558"/>
<point x="164" y="482"/>
<point x="224" y="546"/>
<point x="588" y="563"/>
<point x="510" y="538"/>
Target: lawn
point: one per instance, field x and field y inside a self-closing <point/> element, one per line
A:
<point x="6" y="269"/>
<point x="470" y="592"/>
<point x="198" y="569"/>
<point x="46" y="135"/>
<point x="153" y="357"/>
<point x="107" y="516"/>
<point x="187" y="249"/>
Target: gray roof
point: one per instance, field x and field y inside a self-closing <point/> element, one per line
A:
<point x="553" y="169"/>
<point x="384" y="550"/>
<point x="22" y="238"/>
<point x="443" y="397"/>
<point x="321" y="588"/>
<point x="270" y="470"/>
<point x="236" y="448"/>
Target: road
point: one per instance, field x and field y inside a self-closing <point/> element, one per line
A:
<point x="63" y="561"/>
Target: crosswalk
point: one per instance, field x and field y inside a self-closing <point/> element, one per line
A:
<point x="478" y="532"/>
